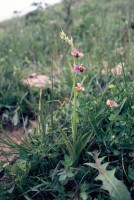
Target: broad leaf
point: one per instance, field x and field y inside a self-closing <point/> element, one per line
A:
<point x="115" y="187"/>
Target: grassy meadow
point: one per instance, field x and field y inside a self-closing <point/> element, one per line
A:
<point x="76" y="134"/>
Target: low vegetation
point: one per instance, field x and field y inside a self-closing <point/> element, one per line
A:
<point x="75" y="127"/>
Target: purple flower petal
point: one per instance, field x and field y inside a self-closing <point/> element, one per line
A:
<point x="76" y="68"/>
<point x="76" y="53"/>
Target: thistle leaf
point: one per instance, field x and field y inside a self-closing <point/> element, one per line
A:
<point x="93" y="165"/>
<point x="116" y="188"/>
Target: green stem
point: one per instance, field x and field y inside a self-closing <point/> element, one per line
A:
<point x="74" y="114"/>
<point x="124" y="75"/>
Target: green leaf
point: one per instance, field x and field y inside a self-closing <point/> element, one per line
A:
<point x="63" y="177"/>
<point x="116" y="188"/>
<point x="91" y="165"/>
<point x="70" y="174"/>
<point x="68" y="144"/>
<point x="131" y="174"/>
<point x="67" y="162"/>
<point x="11" y="190"/>
<point x="83" y="196"/>
<point x="93" y="123"/>
<point x="82" y="142"/>
<point x="126" y="146"/>
<point x="27" y="198"/>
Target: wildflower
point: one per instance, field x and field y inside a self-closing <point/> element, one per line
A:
<point x="111" y="86"/>
<point x="79" y="88"/>
<point x="111" y="104"/>
<point x="78" y="68"/>
<point x="76" y="53"/>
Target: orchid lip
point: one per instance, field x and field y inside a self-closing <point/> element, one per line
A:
<point x="77" y="68"/>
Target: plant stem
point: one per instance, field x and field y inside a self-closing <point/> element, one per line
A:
<point x="74" y="114"/>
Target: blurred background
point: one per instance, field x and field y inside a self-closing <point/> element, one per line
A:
<point x="30" y="43"/>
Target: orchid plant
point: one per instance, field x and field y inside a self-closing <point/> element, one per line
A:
<point x="78" y="142"/>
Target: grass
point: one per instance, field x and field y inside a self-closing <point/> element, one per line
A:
<point x="67" y="128"/>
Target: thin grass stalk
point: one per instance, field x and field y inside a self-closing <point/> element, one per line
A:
<point x="52" y="78"/>
<point x="39" y="110"/>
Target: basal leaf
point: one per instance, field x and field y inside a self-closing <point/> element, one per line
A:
<point x="68" y="144"/>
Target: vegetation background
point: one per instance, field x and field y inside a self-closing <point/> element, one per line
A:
<point x="42" y="166"/>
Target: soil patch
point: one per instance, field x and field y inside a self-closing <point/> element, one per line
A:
<point x="15" y="136"/>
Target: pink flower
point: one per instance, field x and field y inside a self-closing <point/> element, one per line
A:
<point x="78" y="68"/>
<point x="111" y="104"/>
<point x="79" y="88"/>
<point x="76" y="53"/>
